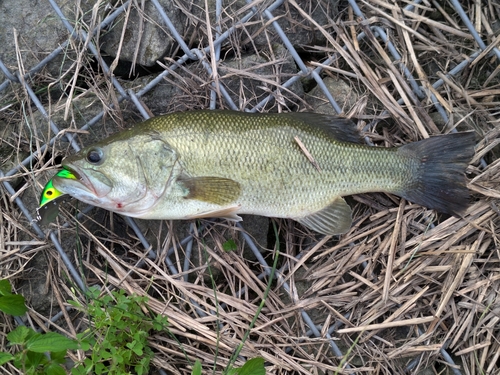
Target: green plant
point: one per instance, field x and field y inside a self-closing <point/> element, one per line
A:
<point x="12" y="304"/>
<point x="40" y="353"/>
<point x="254" y="366"/>
<point x="118" y="338"/>
<point x="229" y="246"/>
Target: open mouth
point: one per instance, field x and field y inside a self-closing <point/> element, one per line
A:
<point x="73" y="174"/>
<point x="88" y="182"/>
<point x="69" y="173"/>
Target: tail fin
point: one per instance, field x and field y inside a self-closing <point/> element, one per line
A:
<point x="440" y="179"/>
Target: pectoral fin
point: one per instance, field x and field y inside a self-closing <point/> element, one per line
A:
<point x="216" y="190"/>
<point x="333" y="219"/>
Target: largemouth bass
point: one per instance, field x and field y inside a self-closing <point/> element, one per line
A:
<point x="204" y="164"/>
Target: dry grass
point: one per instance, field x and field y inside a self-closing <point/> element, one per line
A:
<point x="400" y="286"/>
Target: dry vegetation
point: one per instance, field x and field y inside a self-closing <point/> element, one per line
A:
<point x="400" y="286"/>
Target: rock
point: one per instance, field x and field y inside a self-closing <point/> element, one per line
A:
<point x="343" y="94"/>
<point x="300" y="30"/>
<point x="39" y="31"/>
<point x="189" y="90"/>
<point x="251" y="78"/>
<point x="146" y="36"/>
<point x="257" y="31"/>
<point x="81" y="111"/>
<point x="186" y="93"/>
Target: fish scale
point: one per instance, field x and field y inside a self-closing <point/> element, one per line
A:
<point x="295" y="165"/>
<point x="271" y="164"/>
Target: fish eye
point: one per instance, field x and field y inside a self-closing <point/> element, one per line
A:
<point x="94" y="155"/>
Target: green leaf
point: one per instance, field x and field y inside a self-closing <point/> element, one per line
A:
<point x="143" y="365"/>
<point x="136" y="347"/>
<point x="160" y="322"/>
<point x="13" y="304"/>
<point x="85" y="345"/>
<point x="5" y="287"/>
<point x="35" y="359"/>
<point x="93" y="292"/>
<point x="59" y="357"/>
<point x="19" y="335"/>
<point x="5" y="357"/>
<point x="55" y="369"/>
<point x="50" y="342"/>
<point x="254" y="366"/>
<point x="229" y="246"/>
<point x="118" y="358"/>
<point x="196" y="368"/>
<point x="75" y="304"/>
<point x="100" y="368"/>
<point x="140" y="370"/>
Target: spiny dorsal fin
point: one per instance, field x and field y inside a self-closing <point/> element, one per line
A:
<point x="216" y="190"/>
<point x="333" y="219"/>
<point x="340" y="128"/>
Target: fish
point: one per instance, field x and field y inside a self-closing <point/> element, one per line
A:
<point x="219" y="163"/>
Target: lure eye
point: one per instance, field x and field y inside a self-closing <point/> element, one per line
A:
<point x="49" y="194"/>
<point x="94" y="156"/>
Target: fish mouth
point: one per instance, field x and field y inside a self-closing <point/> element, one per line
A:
<point x="81" y="183"/>
<point x="81" y="178"/>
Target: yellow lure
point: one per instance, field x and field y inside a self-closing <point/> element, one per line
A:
<point x="50" y="192"/>
<point x="47" y="213"/>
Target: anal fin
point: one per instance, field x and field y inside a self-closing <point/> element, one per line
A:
<point x="336" y="218"/>
<point x="228" y="213"/>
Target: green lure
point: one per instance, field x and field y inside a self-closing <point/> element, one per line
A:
<point x="50" y="192"/>
<point x="50" y="199"/>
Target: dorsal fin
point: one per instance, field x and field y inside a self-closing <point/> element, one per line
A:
<point x="340" y="128"/>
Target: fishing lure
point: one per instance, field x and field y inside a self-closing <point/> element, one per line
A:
<point x="50" y="199"/>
